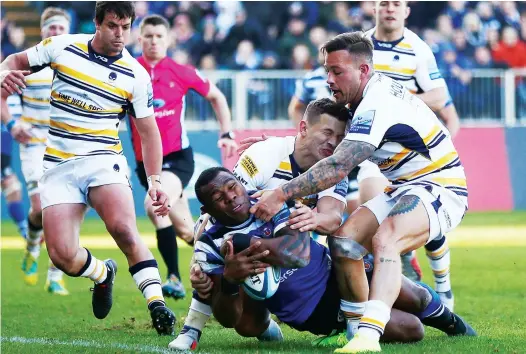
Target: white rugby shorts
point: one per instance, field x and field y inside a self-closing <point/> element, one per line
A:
<point x="32" y="161"/>
<point x="444" y="208"/>
<point x="69" y="182"/>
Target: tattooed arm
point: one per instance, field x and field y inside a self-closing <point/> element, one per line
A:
<point x="289" y="248"/>
<point x="329" y="171"/>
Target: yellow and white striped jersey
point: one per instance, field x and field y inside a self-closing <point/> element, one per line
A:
<point x="408" y="60"/>
<point x="90" y="93"/>
<point x="413" y="146"/>
<point x="35" y="104"/>
<point x="269" y="164"/>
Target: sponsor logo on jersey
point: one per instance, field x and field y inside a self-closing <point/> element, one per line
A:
<point x="435" y="75"/>
<point x="46" y="41"/>
<point x="158" y="103"/>
<point x="112" y="76"/>
<point x="100" y="57"/>
<point x="249" y="166"/>
<point x="362" y="123"/>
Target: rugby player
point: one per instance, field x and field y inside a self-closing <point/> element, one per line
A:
<point x="171" y="82"/>
<point x="400" y="54"/>
<point x="95" y="82"/>
<point x="428" y="192"/>
<point x="11" y="187"/>
<point x="35" y="113"/>
<point x="239" y="245"/>
<point x="270" y="163"/>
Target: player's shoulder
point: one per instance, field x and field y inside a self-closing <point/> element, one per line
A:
<point x="417" y="44"/>
<point x="273" y="146"/>
<point x="64" y="40"/>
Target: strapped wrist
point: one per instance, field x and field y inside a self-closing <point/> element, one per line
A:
<point x="153" y="179"/>
<point x="241" y="242"/>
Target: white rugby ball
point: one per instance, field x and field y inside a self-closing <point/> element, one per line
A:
<point x="263" y="286"/>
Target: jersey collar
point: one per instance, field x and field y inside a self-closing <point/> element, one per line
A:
<point x="101" y="58"/>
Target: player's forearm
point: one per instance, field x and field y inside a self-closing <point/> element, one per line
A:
<point x="450" y="118"/>
<point x="152" y="149"/>
<point x="328" y="222"/>
<point x="289" y="251"/>
<point x="17" y="61"/>
<point x="329" y="171"/>
<point x="227" y="308"/>
<point x="5" y="115"/>
<point x="222" y="112"/>
<point x="435" y="98"/>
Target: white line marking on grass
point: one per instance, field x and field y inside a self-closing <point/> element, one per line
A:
<point x="86" y="344"/>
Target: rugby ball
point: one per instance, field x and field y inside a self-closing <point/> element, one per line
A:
<point x="262" y="286"/>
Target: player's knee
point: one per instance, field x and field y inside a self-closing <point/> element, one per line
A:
<point x="385" y="238"/>
<point x="415" y="332"/>
<point x="124" y="234"/>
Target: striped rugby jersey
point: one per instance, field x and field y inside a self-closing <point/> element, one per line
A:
<point x="408" y="60"/>
<point x="35" y="104"/>
<point x="90" y="93"/>
<point x="412" y="146"/>
<point x="269" y="164"/>
<point x="313" y="86"/>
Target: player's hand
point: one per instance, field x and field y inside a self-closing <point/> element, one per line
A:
<point x="21" y="132"/>
<point x="12" y="81"/>
<point x="303" y="218"/>
<point x="243" y="264"/>
<point x="229" y="145"/>
<point x="160" y="199"/>
<point x="201" y="282"/>
<point x="269" y="204"/>
<point x="248" y="142"/>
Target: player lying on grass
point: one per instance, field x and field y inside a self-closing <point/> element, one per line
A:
<point x="271" y="163"/>
<point x="238" y="245"/>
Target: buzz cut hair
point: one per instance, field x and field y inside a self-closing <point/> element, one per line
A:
<point x="154" y="20"/>
<point x="51" y="12"/>
<point x="321" y="106"/>
<point x="356" y="43"/>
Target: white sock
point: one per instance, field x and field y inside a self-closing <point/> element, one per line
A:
<point x="272" y="333"/>
<point x="34" y="237"/>
<point x="353" y="312"/>
<point x="373" y="322"/>
<point x="53" y="273"/>
<point x="96" y="270"/>
<point x="198" y="314"/>
<point x="440" y="261"/>
<point x="148" y="280"/>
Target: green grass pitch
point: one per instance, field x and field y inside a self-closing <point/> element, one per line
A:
<point x="489" y="282"/>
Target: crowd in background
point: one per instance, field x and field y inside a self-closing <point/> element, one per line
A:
<point x="259" y="35"/>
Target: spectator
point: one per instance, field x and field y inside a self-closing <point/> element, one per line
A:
<point x="485" y="91"/>
<point x="509" y="15"/>
<point x="487" y="16"/>
<point x="445" y="27"/>
<point x="181" y="57"/>
<point x="209" y="30"/>
<point x="246" y="57"/>
<point x="142" y="10"/>
<point x="433" y="39"/>
<point x="368" y="17"/>
<point x="270" y="61"/>
<point x="208" y="62"/>
<point x="226" y="16"/>
<point x="456" y="10"/>
<point x="456" y="72"/>
<point x="295" y="34"/>
<point x="340" y="21"/>
<point x="301" y="58"/>
<point x="510" y="51"/>
<point x="187" y="38"/>
<point x="474" y="31"/>
<point x="462" y="47"/>
<point x="492" y="37"/>
<point x="16" y="39"/>
<point x="243" y="29"/>
<point x="482" y="58"/>
<point x="317" y="37"/>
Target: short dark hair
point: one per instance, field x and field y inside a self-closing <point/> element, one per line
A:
<point x="206" y="177"/>
<point x="324" y="105"/>
<point x="154" y="20"/>
<point x="354" y="42"/>
<point x="121" y="9"/>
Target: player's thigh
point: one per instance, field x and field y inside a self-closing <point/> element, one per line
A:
<point x="403" y="327"/>
<point x="181" y="217"/>
<point x="371" y="181"/>
<point x="254" y="319"/>
<point x="360" y="227"/>
<point x="406" y="227"/>
<point x="61" y="224"/>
